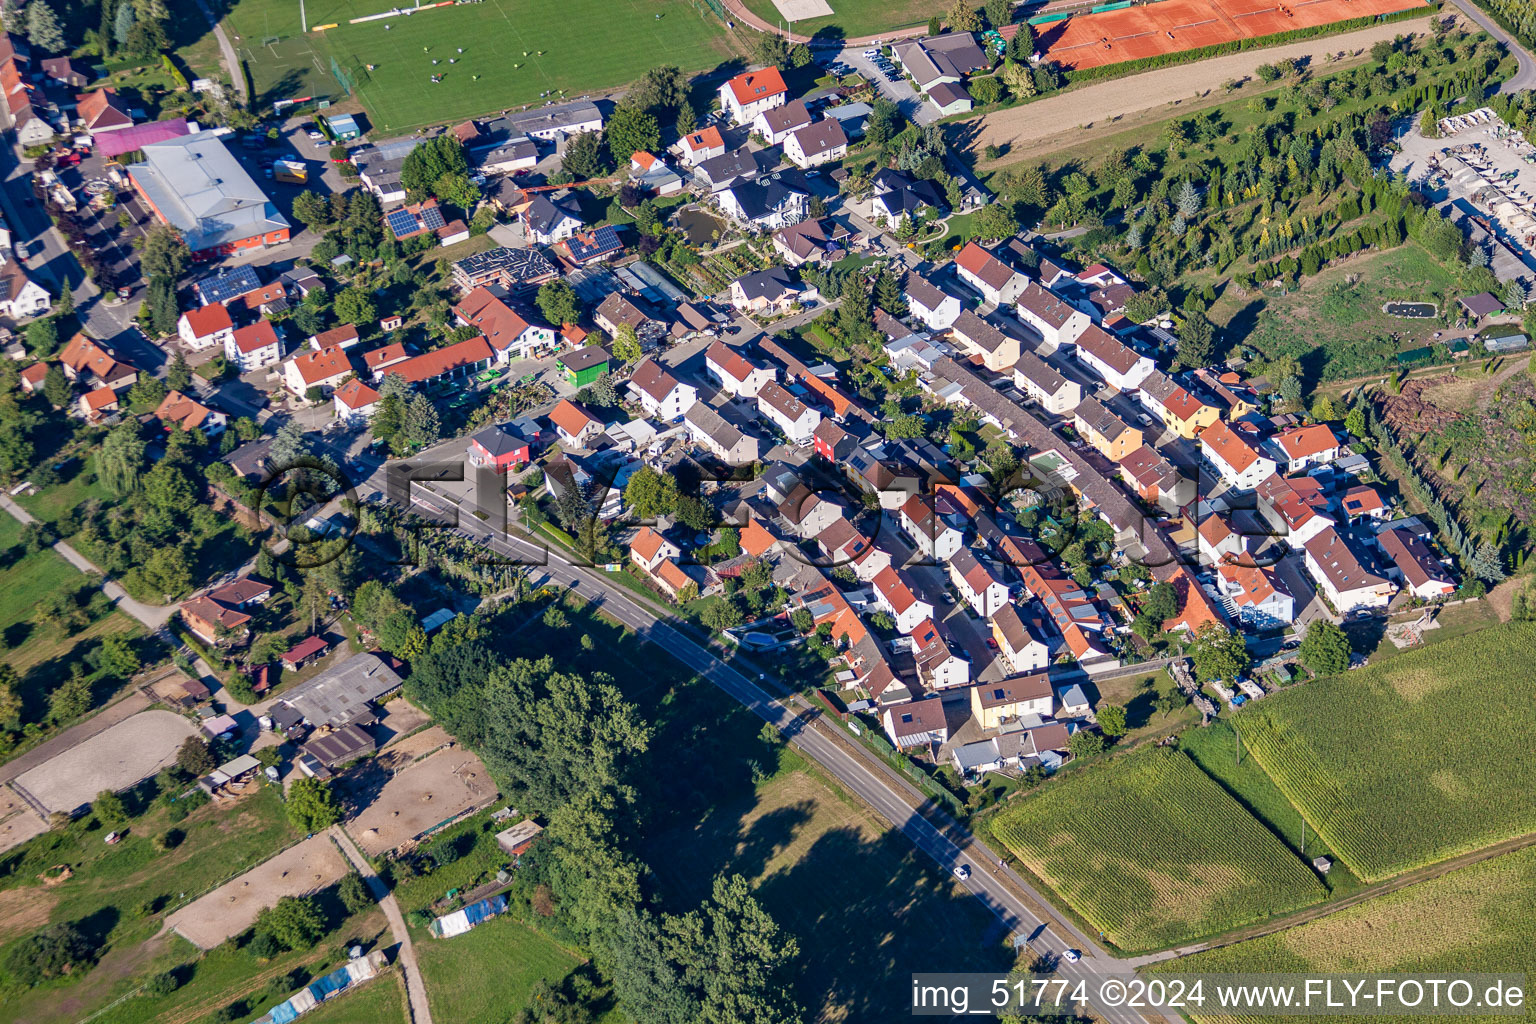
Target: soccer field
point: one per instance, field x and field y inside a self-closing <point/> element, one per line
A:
<point x="515" y="52"/>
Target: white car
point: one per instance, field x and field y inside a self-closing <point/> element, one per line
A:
<point x="315" y="135"/>
<point x="962" y="871"/>
<point x="1071" y="956"/>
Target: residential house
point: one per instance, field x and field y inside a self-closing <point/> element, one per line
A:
<point x="552" y="122"/>
<point x="809" y="241"/>
<point x="939" y="665"/>
<point x="227" y="286"/>
<point x="344" y="336"/>
<point x="254" y="347"/>
<point x="325" y="369"/>
<point x="1021" y="649"/>
<point x="1217" y="540"/>
<point x="662" y="395"/>
<point x="750" y="93"/>
<point x="894" y="596"/>
<point x="1255" y="595"/>
<point x="1073" y="701"/>
<point x="355" y="401"/>
<point x="935" y="539"/>
<point x="509" y="333"/>
<point x="97" y="404"/>
<point x="919" y="723"/>
<point x="32" y="378"/>
<point x="719" y="436"/>
<point x="21" y="298"/>
<point x="179" y="410"/>
<point x="1111" y="436"/>
<point x="1415" y="566"/>
<point x="619" y="310"/>
<point x="702" y="145"/>
<point x="978" y="583"/>
<point x="1196" y="609"/>
<point x="950" y="98"/>
<point x="584" y="366"/>
<point x="1232" y="395"/>
<point x="87" y="361"/>
<point x="1012" y="699"/>
<point x="1235" y="459"/>
<point x="204" y="328"/>
<point x="737" y="375"/>
<point x="102" y="111"/>
<point x="842" y="543"/>
<point x="796" y="420"/>
<point x="854" y="117"/>
<point x="725" y="170"/>
<point x="649" y="549"/>
<point x="500" y="448"/>
<point x="770" y="292"/>
<point x="67" y="71"/>
<point x="1111" y="360"/>
<point x="1293" y="509"/>
<point x="549" y="220"/>
<point x="806" y="514"/>
<point x="586" y="247"/>
<point x="766" y="203"/>
<point x="832" y="442"/>
<point x="816" y="144"/>
<point x="1042" y="382"/>
<point x="1346" y="583"/>
<point x="937" y="309"/>
<point x="380" y="362"/>
<point x="574" y="424"/>
<point x="1057" y="321"/>
<point x="1363" y="502"/>
<point x="269" y="298"/>
<point x="998" y="351"/>
<point x="773" y="124"/>
<point x="1177" y="409"/>
<point x="1302" y="447"/>
<point x="997" y="282"/>
<point x="897" y="194"/>
<point x="652" y="176"/>
<point x="1156" y="481"/>
<point x="222" y="613"/>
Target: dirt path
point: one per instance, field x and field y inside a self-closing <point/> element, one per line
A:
<point x="1111" y="107"/>
<point x="739" y="12"/>
<point x="421" y="1011"/>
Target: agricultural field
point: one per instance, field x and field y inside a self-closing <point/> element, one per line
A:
<point x="1147" y="849"/>
<point x="1475" y="918"/>
<point x="1397" y="765"/>
<point x="514" y="52"/>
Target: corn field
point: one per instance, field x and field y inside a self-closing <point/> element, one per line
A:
<point x="1421" y="758"/>
<point x="1150" y="851"/>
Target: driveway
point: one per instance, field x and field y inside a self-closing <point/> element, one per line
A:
<point x="912" y="103"/>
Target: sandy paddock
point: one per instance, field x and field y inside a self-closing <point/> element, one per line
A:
<point x="437" y="788"/>
<point x="300" y="870"/>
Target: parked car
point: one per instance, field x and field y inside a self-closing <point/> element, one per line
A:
<point x="315" y="135"/>
<point x="991" y="644"/>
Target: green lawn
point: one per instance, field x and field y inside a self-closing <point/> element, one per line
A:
<point x="487" y="973"/>
<point x="853" y="19"/>
<point x="1477" y="918"/>
<point x="1373" y="760"/>
<point x="50" y="504"/>
<point x="31" y="578"/>
<point x="573" y="48"/>
<point x="380" y="1001"/>
<point x="1151" y="852"/>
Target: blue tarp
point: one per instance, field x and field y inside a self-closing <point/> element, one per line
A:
<point x="477" y="912"/>
<point x="283" y="1013"/>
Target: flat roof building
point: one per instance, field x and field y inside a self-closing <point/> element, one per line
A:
<point x="194" y="184"/>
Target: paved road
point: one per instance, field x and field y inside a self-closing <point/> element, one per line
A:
<point x="1523" y="79"/>
<point x="421" y="1012"/>
<point x="947" y="843"/>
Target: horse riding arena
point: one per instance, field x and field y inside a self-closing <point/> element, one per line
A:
<point x="1173" y="26"/>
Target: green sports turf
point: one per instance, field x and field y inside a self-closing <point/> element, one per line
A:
<point x="578" y="46"/>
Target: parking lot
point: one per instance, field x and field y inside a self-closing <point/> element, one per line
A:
<point x="300" y="870"/>
<point x="912" y="103"/>
<point x="127" y="753"/>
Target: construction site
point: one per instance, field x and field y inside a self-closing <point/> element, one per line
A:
<point x="1173" y="26"/>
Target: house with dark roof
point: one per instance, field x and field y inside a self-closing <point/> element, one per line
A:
<point x="940" y="59"/>
<point x="721" y="438"/>
<point x="1012" y="699"/>
<point x="815" y="144"/>
<point x="498" y="447"/>
<point x="997" y="349"/>
<point x="75" y="74"/>
<point x="1056" y="320"/>
<point x="724" y="170"/>
<point x="549" y="220"/>
<point x="1045" y="384"/>
<point x="774" y="123"/>
<point x="102" y="111"/>
<point x="517" y="270"/>
<point x="765" y="203"/>
<point x="1415" y="566"/>
<point x="587" y="247"/>
<point x="919" y="723"/>
<point x="1111" y="360"/>
<point x="936" y="308"/>
<point x="768" y="292"/>
<point x="950" y="98"/>
<point x="584" y="365"/>
<point x="1017" y="641"/>
<point x="1341" y="577"/>
<point x="660" y="394"/>
<point x="809" y="241"/>
<point x="896" y="194"/>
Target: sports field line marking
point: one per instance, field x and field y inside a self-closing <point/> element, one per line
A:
<point x="537" y="61"/>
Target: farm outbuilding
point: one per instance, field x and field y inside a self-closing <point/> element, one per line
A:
<point x="515" y="841"/>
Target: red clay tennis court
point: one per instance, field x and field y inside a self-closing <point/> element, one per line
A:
<point x="1169" y="26"/>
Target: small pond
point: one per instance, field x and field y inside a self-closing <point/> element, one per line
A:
<point x="698" y="226"/>
<point x="1411" y="310"/>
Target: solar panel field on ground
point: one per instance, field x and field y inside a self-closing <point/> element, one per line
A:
<point x="514" y="52"/>
<point x="1172" y="26"/>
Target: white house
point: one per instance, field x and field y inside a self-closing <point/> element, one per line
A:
<point x="935" y="538"/>
<point x="1044" y="383"/>
<point x="737" y="375"/>
<point x="1341" y="577"/>
<point x="1415" y="566"/>
<point x="509" y="333"/>
<point x="793" y="417"/>
<point x="937" y="309"/>
<point x="1235" y="459"/>
<point x="1057" y="321"/>
<point x="325" y="370"/>
<point x="752" y="92"/>
<point x="764" y="203"/>
<point x="917" y="723"/>
<point x="978" y="583"/>
<point x="702" y="145"/>
<point x="997" y="282"/>
<point x="894" y="596"/>
<point x="204" y="328"/>
<point x="1256" y="595"/>
<point x="649" y="549"/>
<point x="1301" y="447"/>
<point x="355" y="401"/>
<point x="768" y="292"/>
<point x="251" y="348"/>
<point x="719" y="436"/>
<point x="20" y="296"/>
<point x="662" y="395"/>
<point x="548" y="221"/>
<point x="816" y="144"/>
<point x="573" y="424"/>
<point x="1112" y="361"/>
<point x="775" y="123"/>
<point x="939" y="666"/>
<point x="1017" y="643"/>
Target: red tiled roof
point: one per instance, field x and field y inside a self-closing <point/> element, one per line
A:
<point x="99" y="399"/>
<point x="185" y="412"/>
<point x="256" y="337"/>
<point x="1305" y="442"/>
<point x="571" y="418"/>
<point x="209" y="320"/>
<point x="751" y="86"/>
<point x="393" y="353"/>
<point x="443" y="360"/>
<point x="709" y="138"/>
<point x="976" y="260"/>
<point x="1232" y="450"/>
<point x="499" y="322"/>
<point x="646" y="543"/>
<point x="354" y="394"/>
<point x="325" y="364"/>
<point x="337" y="335"/>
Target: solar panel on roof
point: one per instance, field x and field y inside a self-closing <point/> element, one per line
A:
<point x="432" y="218"/>
<point x="402" y="222"/>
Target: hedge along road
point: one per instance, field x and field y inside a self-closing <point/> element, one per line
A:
<point x="987" y="881"/>
<point x="1034" y="129"/>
